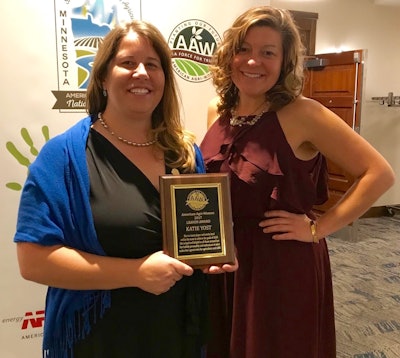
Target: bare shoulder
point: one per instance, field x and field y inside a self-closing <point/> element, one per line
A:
<point x="212" y="111"/>
<point x="303" y="108"/>
<point x="305" y="123"/>
<point x="308" y="114"/>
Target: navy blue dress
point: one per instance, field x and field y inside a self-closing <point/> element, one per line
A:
<point x="126" y="211"/>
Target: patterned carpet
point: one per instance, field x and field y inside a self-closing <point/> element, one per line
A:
<point x="366" y="279"/>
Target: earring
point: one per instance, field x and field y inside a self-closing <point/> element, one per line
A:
<point x="104" y="92"/>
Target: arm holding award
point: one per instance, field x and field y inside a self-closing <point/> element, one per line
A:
<point x="89" y="223"/>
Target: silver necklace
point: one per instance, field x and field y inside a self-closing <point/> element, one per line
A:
<point x="126" y="141"/>
<point x="240" y="120"/>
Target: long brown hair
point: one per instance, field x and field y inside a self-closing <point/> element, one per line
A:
<point x="290" y="82"/>
<point x="167" y="127"/>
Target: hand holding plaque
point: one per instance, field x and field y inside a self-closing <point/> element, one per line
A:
<point x="197" y="218"/>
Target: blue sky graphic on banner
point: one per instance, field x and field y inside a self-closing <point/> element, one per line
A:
<point x="80" y="28"/>
<point x="88" y="37"/>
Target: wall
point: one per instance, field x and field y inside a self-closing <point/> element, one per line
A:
<point x="360" y="24"/>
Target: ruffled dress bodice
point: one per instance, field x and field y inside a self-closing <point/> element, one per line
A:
<point x="264" y="168"/>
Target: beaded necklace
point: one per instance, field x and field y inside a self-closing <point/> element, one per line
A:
<point x="126" y="141"/>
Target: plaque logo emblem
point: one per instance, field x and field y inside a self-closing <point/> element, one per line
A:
<point x="197" y="200"/>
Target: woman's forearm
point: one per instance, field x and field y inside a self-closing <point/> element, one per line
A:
<point x="63" y="267"/>
<point x="357" y="200"/>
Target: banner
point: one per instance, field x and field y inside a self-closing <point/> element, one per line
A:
<point x="47" y="50"/>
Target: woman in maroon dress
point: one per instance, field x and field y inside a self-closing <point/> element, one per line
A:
<point x="273" y="143"/>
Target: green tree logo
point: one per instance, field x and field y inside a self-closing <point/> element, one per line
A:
<point x="22" y="159"/>
<point x="193" y="42"/>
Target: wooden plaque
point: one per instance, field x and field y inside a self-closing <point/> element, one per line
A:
<point x="197" y="218"/>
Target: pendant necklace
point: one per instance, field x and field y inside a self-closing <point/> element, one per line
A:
<point x="240" y="120"/>
<point x="126" y="141"/>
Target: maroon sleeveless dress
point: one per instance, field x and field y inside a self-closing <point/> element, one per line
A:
<point x="279" y="304"/>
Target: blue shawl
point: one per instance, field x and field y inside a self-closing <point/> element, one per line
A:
<point x="55" y="210"/>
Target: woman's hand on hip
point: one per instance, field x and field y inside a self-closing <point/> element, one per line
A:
<point x="284" y="225"/>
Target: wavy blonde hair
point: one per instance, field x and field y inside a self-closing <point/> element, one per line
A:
<point x="291" y="79"/>
<point x="176" y="143"/>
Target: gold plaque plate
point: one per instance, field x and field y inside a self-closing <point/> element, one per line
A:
<point x="197" y="218"/>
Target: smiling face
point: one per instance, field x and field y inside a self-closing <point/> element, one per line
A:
<point x="135" y="78"/>
<point x="257" y="64"/>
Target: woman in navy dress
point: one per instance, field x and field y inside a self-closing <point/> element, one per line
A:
<point x="89" y="223"/>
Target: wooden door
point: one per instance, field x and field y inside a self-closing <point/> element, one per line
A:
<point x="335" y="80"/>
<point x="307" y="25"/>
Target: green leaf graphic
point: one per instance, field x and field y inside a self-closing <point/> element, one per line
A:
<point x="21" y="159"/>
